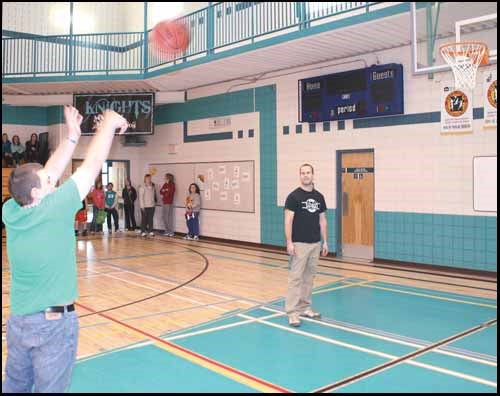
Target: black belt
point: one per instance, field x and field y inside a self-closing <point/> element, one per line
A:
<point x="60" y="308"/>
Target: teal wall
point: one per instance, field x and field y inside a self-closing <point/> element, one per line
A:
<point x="32" y="115"/>
<point x="451" y="240"/>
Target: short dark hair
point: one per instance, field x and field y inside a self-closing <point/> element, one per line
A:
<point x="110" y="184"/>
<point x="197" y="188"/>
<point x="309" y="165"/>
<point x="22" y="180"/>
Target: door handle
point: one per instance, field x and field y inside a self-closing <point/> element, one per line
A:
<point x="345" y="200"/>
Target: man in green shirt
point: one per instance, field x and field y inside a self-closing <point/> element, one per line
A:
<point x="42" y="331"/>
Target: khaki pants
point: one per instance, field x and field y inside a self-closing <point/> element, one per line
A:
<point x="300" y="278"/>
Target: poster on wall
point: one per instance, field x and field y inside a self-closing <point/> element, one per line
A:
<point x="136" y="108"/>
<point x="490" y="99"/>
<point x="456" y="109"/>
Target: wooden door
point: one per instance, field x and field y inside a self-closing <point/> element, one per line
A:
<point x="357" y="205"/>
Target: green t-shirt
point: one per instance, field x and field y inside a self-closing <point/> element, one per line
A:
<point x="41" y="247"/>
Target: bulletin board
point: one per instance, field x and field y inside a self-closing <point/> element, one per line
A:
<point x="225" y="186"/>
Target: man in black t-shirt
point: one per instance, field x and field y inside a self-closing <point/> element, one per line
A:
<point x="305" y="228"/>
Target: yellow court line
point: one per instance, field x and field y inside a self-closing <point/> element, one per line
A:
<point x="426" y="295"/>
<point x="234" y="376"/>
<point x="208" y="363"/>
<point x="342" y="287"/>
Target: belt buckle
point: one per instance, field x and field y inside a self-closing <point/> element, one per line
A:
<point x="53" y="315"/>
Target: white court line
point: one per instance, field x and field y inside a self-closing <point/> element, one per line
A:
<point x="381" y="354"/>
<point x="416" y="364"/>
<point x="430" y="296"/>
<point x="91" y="356"/>
<point x="169" y="294"/>
<point x="396" y="341"/>
<point x="250" y="319"/>
<point x="243" y="300"/>
<point x="145" y="343"/>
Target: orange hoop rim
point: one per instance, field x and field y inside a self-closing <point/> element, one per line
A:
<point x="478" y="45"/>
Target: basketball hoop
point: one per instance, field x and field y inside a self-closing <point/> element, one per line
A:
<point x="464" y="59"/>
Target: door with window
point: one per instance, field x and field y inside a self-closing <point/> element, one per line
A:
<point x="357" y="204"/>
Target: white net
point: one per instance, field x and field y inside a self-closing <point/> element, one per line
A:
<point x="464" y="59"/>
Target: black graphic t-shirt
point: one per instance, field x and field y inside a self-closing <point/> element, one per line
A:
<point x="307" y="207"/>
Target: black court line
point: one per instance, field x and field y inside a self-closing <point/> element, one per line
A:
<point x="357" y="270"/>
<point x="401" y="359"/>
<point x="358" y="264"/>
<point x="205" y="268"/>
<point x="281" y="253"/>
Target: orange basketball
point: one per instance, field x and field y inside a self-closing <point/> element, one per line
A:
<point x="169" y="37"/>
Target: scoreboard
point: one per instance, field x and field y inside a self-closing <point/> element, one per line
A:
<point x="370" y="92"/>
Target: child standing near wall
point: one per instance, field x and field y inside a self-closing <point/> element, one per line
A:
<point x="193" y="206"/>
<point x="81" y="218"/>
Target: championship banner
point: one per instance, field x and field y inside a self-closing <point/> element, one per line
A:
<point x="456" y="110"/>
<point x="137" y="109"/>
<point x="490" y="102"/>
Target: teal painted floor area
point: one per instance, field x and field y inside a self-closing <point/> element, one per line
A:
<point x="291" y="360"/>
<point x="405" y="378"/>
<point x="409" y="315"/>
<point x="302" y="363"/>
<point x="204" y="326"/>
<point x="349" y="337"/>
<point x="148" y="369"/>
<point x="484" y="341"/>
<point x="437" y="293"/>
<point x="481" y="370"/>
<point x="260" y="313"/>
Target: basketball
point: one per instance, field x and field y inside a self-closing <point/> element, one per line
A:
<point x="169" y="37"/>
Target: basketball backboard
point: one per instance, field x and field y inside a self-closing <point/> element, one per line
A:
<point x="437" y="23"/>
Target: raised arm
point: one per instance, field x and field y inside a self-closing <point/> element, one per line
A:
<point x="59" y="160"/>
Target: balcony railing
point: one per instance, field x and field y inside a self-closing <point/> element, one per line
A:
<point x="213" y="29"/>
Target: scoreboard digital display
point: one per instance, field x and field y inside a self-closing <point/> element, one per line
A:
<point x="370" y="92"/>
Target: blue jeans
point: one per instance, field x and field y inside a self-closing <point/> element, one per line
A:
<point x="40" y="353"/>
<point x="193" y="224"/>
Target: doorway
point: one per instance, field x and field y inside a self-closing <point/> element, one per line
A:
<point x="356" y="203"/>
